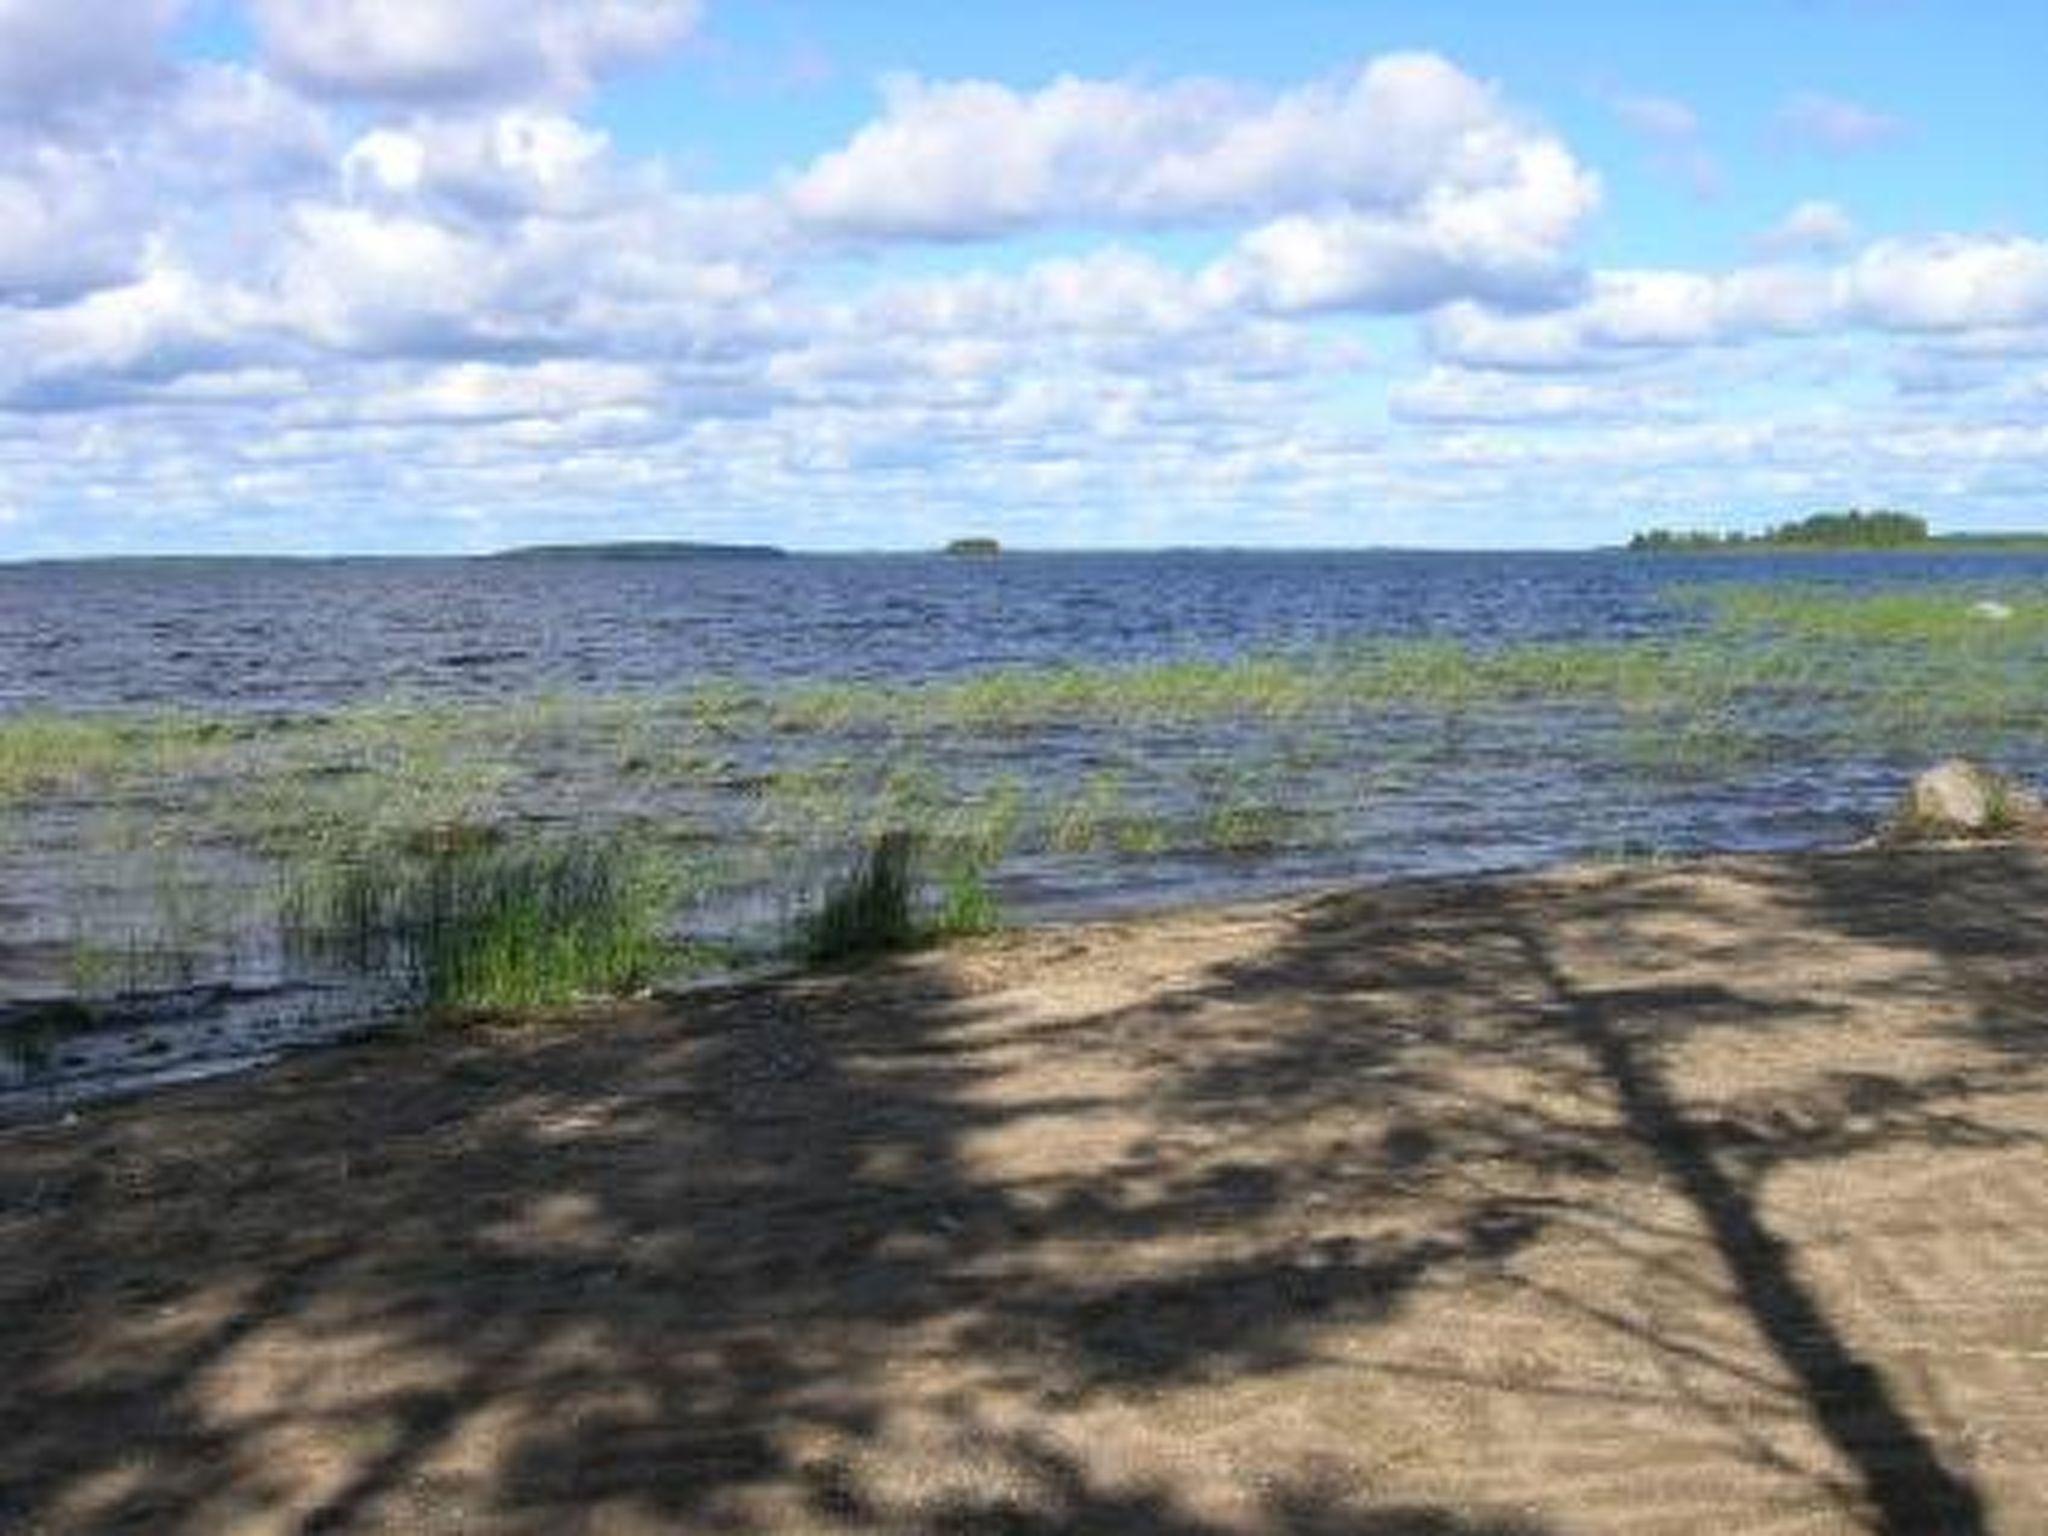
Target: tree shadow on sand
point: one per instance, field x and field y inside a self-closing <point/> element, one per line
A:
<point x="893" y="1252"/>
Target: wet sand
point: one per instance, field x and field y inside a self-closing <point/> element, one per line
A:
<point x="1663" y="1198"/>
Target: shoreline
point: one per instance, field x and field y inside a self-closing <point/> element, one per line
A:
<point x="249" y="1031"/>
<point x="141" y="1044"/>
<point x="1727" y="1167"/>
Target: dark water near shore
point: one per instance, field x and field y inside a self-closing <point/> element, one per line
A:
<point x="292" y="635"/>
<point x="264" y="638"/>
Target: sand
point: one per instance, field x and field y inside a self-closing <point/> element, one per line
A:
<point x="1660" y="1198"/>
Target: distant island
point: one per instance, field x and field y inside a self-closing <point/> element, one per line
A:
<point x="643" y="549"/>
<point x="1853" y="530"/>
<point x="978" y="545"/>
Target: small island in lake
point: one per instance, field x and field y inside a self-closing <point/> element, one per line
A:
<point x="1852" y="530"/>
<point x="979" y="545"/>
<point x="643" y="549"/>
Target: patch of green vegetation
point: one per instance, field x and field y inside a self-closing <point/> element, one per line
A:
<point x="883" y="905"/>
<point x="45" y="753"/>
<point x="504" y="930"/>
<point x="871" y="910"/>
<point x="1946" y="616"/>
<point x="1824" y="530"/>
<point x="967" y="907"/>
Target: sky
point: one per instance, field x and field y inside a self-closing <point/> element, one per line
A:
<point x="391" y="276"/>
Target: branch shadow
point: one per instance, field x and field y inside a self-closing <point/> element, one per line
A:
<point x="906" y="1251"/>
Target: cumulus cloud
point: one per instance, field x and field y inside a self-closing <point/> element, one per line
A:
<point x="1505" y="244"/>
<point x="162" y="326"/>
<point x="509" y="163"/>
<point x="62" y="230"/>
<point x="975" y="159"/>
<point x="1394" y="187"/>
<point x="55" y="57"/>
<point x="463" y="50"/>
<point x="1632" y="312"/>
<point x="393" y="263"/>
<point x="1952" y="284"/>
<point x="1834" y="123"/>
<point x="201" y="161"/>
<point x="354" y="279"/>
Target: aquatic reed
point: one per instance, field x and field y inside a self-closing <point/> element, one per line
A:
<point x="497" y="930"/>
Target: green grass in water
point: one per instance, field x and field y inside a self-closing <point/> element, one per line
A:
<point x="879" y="906"/>
<point x="872" y="909"/>
<point x="491" y="931"/>
<point x="44" y="752"/>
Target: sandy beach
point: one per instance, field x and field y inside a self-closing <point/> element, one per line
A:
<point x="1658" y="1197"/>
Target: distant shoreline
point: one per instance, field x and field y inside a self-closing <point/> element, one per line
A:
<point x="632" y="551"/>
<point x="1881" y="531"/>
<point x="641" y="549"/>
<point x="1938" y="544"/>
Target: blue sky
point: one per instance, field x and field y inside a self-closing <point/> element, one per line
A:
<point x="388" y="275"/>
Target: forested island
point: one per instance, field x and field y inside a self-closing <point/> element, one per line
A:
<point x="1852" y="530"/>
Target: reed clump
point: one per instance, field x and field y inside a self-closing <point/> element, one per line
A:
<point x="870" y="910"/>
<point x="493" y="930"/>
<point x="43" y="752"/>
<point x="885" y="903"/>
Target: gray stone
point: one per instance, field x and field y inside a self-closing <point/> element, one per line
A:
<point x="1959" y="798"/>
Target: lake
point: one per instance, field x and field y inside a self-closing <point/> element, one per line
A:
<point x="1091" y="732"/>
<point x="294" y="635"/>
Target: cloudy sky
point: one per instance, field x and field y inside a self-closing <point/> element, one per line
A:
<point x="387" y="275"/>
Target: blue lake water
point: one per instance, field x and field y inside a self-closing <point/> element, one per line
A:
<point x="290" y="635"/>
<point x="1369" y="796"/>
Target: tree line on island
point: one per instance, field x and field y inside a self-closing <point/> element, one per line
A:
<point x="1824" y="530"/>
<point x="1857" y="529"/>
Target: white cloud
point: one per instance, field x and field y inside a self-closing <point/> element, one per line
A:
<point x="56" y="55"/>
<point x="646" y="273"/>
<point x="1950" y="283"/>
<point x="202" y="157"/>
<point x="357" y="280"/>
<point x="63" y="231"/>
<point x="1476" y="336"/>
<point x="1631" y="312"/>
<point x="1105" y="291"/>
<point x="228" y="126"/>
<point x="493" y="392"/>
<point x="1463" y="396"/>
<point x="463" y="50"/>
<point x="1505" y="244"/>
<point x="1812" y="227"/>
<point x="433" y="283"/>
<point x="1406" y="136"/>
<point x="1946" y="284"/>
<point x="514" y="162"/>
<point x="1834" y="123"/>
<point x="1393" y="188"/>
<point x="164" y="325"/>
